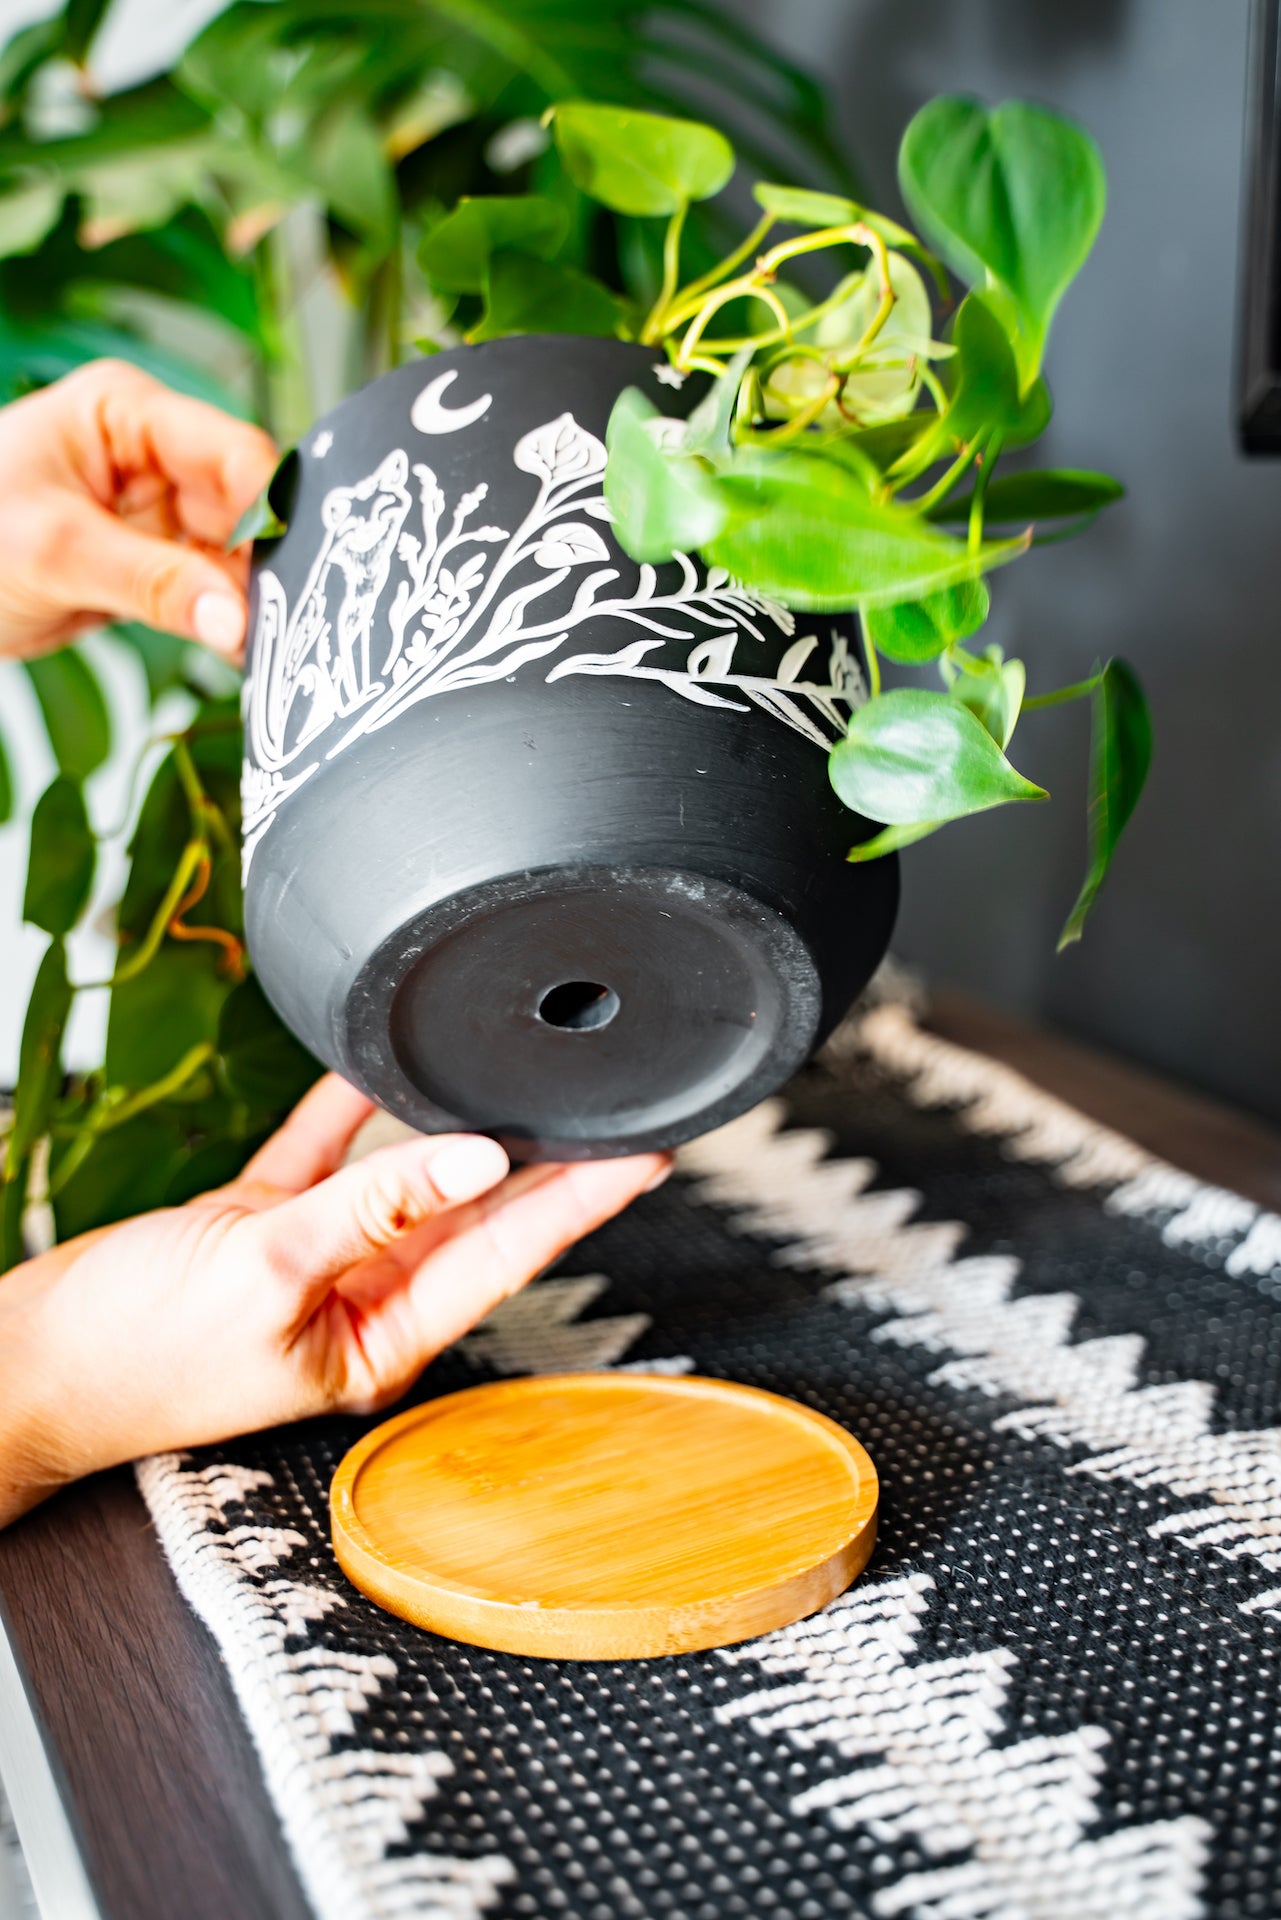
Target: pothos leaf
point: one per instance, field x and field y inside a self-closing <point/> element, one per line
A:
<point x="661" y="500"/>
<point x="1012" y="197"/>
<point x="805" y="530"/>
<point x="640" y="162"/>
<point x="524" y="295"/>
<point x="992" y="688"/>
<point x="455" y="254"/>
<point x="914" y="758"/>
<point x="75" y="712"/>
<point x="914" y="631"/>
<point x="63" y="855"/>
<point x="1055" y="494"/>
<point x="39" y="1056"/>
<point x="1120" y="755"/>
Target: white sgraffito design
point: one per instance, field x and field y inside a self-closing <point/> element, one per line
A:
<point x="1084" y="1393"/>
<point x="538" y="1331"/>
<point x="429" y="414"/>
<point x="321" y="444"/>
<point x="343" y="1807"/>
<point x="932" y="1764"/>
<point x="391" y="614"/>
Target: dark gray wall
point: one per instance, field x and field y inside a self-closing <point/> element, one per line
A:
<point x="1179" y="964"/>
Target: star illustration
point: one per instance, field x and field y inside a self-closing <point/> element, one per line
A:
<point x="669" y="376"/>
<point x="321" y="444"/>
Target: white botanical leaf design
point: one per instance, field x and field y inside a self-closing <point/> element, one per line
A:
<point x="562" y="450"/>
<point x="392" y="613"/>
<point x="570" y="546"/>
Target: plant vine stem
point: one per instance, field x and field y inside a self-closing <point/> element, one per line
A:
<point x="653" y="328"/>
<point x="749" y="286"/>
<point x="809" y="413"/>
<point x="1077" y="691"/>
<point x="205" y="816"/>
<point x="872" y="657"/>
<point x="194" y="854"/>
<point x="106" y="1117"/>
<point x="944" y="484"/>
<point x="744" y="251"/>
<point x="986" y="461"/>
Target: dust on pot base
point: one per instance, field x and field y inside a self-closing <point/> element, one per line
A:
<point x="538" y="841"/>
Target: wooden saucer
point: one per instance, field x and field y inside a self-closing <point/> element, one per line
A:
<point x="604" y="1516"/>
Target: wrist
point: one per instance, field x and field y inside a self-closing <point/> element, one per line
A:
<point x="35" y="1443"/>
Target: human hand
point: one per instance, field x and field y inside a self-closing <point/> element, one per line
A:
<point x="300" y="1289"/>
<point x="117" y="498"/>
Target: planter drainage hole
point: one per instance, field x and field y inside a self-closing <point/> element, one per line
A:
<point x="579" y="1006"/>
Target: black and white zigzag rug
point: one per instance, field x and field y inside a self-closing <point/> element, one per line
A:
<point x="1053" y="1694"/>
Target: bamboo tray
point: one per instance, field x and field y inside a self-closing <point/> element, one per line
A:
<point x="604" y="1516"/>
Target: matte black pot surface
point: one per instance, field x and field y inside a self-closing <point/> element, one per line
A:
<point x="538" y="842"/>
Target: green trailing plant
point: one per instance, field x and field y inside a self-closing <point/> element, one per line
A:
<point x="844" y="454"/>
<point x="848" y="451"/>
<point x="296" y="154"/>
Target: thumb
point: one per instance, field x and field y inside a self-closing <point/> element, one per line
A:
<point x="111" y="568"/>
<point x="363" y="1209"/>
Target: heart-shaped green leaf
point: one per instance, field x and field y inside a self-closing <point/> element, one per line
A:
<point x="265" y="1066"/>
<point x="992" y="688"/>
<point x="661" y="500"/>
<point x="1120" y="755"/>
<point x="39" y="1056"/>
<point x="75" y="713"/>
<point x="914" y="631"/>
<point x="640" y="162"/>
<point x="62" y="860"/>
<point x="524" y="295"/>
<point x="455" y="254"/>
<point x="913" y="758"/>
<point x="1055" y="494"/>
<point x="805" y="530"/>
<point x="1010" y="196"/>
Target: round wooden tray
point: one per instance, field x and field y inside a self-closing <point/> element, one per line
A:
<point x="604" y="1516"/>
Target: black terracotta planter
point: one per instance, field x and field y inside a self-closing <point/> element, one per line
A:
<point x="538" y="842"/>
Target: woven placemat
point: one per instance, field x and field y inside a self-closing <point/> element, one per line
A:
<point x="1052" y="1696"/>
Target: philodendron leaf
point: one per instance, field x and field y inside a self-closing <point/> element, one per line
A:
<point x="265" y="1066"/>
<point x="915" y="759"/>
<point x="63" y="855"/>
<point x="661" y="500"/>
<point x="6" y="787"/>
<point x="259" y="521"/>
<point x="1120" y="755"/>
<point x="1010" y="196"/>
<point x="917" y="630"/>
<point x="992" y="688"/>
<point x="1055" y="494"/>
<point x="524" y="295"/>
<point x="805" y="530"/>
<point x="642" y="163"/>
<point x="39" y="1056"/>
<point x="75" y="713"/>
<point x="455" y="254"/>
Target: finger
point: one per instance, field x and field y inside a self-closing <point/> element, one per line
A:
<point x="108" y="565"/>
<point x="314" y="1140"/>
<point x="217" y="464"/>
<point x="312" y="1240"/>
<point x="515" y="1234"/>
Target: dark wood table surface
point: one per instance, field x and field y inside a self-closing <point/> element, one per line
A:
<point x="152" y="1764"/>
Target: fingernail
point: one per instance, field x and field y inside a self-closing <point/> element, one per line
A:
<point x="466" y="1168"/>
<point x="664" y="1174"/>
<point x="219" y="621"/>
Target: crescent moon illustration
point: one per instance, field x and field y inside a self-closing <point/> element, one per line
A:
<point x="429" y="415"/>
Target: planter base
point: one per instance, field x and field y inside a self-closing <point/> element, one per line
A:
<point x="586" y="1010"/>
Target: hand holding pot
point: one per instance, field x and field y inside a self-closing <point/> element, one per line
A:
<point x="117" y="498"/>
<point x="303" y="1288"/>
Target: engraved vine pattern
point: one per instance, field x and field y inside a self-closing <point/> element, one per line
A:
<point x="472" y="603"/>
